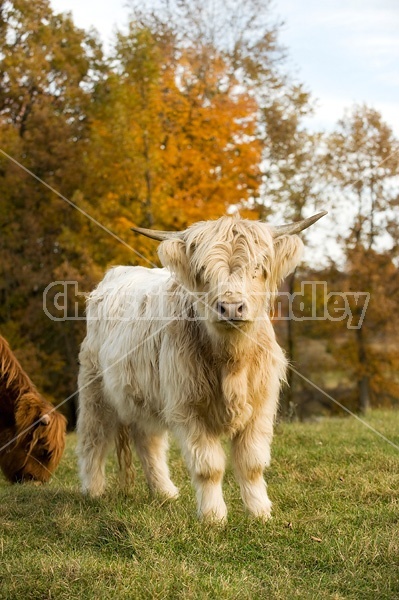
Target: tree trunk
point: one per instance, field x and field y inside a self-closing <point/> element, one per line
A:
<point x="364" y="395"/>
<point x="290" y="338"/>
<point x="287" y="400"/>
<point x="363" y="381"/>
<point x="148" y="215"/>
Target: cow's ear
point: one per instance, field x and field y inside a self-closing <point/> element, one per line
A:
<point x="173" y="255"/>
<point x="288" y="250"/>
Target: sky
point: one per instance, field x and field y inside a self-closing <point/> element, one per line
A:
<point x="344" y="51"/>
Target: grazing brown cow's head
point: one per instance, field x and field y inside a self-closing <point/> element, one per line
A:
<point x="39" y="442"/>
<point x="32" y="433"/>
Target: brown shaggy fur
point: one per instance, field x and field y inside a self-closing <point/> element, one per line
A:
<point x="32" y="433"/>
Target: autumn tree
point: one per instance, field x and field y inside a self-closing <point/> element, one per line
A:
<point x="293" y="185"/>
<point x="167" y="146"/>
<point x="363" y="160"/>
<point x="47" y="66"/>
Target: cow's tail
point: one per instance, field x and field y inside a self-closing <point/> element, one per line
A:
<point x="124" y="454"/>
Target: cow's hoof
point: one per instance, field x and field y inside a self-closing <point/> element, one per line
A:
<point x="214" y="517"/>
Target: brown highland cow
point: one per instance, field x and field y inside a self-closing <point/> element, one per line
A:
<point x="32" y="432"/>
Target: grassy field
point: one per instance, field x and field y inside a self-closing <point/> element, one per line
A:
<point x="334" y="533"/>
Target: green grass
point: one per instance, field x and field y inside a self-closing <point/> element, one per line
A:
<point x="334" y="481"/>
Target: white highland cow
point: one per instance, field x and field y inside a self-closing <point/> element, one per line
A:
<point x="189" y="348"/>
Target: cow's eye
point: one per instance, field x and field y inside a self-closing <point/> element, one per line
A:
<point x="260" y="271"/>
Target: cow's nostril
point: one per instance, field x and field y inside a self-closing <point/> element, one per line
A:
<point x="221" y="309"/>
<point x="240" y="309"/>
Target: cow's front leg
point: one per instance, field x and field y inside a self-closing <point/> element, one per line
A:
<point x="96" y="428"/>
<point x="206" y="461"/>
<point x="251" y="454"/>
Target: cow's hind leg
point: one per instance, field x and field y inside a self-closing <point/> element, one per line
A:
<point x="96" y="429"/>
<point x="152" y="451"/>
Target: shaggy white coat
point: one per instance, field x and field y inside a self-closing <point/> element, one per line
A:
<point x="157" y="357"/>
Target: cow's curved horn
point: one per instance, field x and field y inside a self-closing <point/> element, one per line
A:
<point x="292" y="228"/>
<point x="155" y="234"/>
